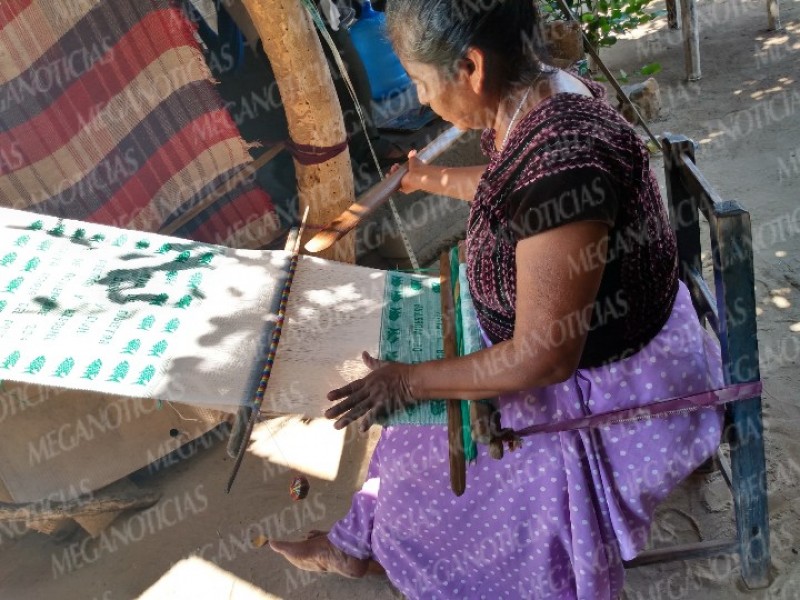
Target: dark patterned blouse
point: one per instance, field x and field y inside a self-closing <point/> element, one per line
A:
<point x="575" y="158"/>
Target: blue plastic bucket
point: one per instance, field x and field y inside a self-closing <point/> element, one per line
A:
<point x="384" y="71"/>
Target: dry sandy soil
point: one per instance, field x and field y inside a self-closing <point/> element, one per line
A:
<point x="745" y="114"/>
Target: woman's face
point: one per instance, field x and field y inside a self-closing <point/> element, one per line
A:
<point x="454" y="98"/>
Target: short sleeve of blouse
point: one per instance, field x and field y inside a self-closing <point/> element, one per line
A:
<point x="578" y="194"/>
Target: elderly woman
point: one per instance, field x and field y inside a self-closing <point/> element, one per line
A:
<point x="572" y="268"/>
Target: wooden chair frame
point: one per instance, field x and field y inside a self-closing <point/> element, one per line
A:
<point x="732" y="316"/>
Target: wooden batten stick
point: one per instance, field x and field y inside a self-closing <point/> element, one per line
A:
<point x="271" y="352"/>
<point x="458" y="464"/>
<point x="480" y="413"/>
<point x="370" y="200"/>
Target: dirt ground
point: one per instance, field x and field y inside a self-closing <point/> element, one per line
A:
<point x="745" y="114"/>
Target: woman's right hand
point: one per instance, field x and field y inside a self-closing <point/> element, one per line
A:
<point x="456" y="182"/>
<point x="411" y="181"/>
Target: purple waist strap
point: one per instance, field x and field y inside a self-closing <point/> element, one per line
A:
<point x="731" y="393"/>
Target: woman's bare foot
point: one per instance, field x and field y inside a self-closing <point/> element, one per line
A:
<point x="374" y="567"/>
<point x="316" y="553"/>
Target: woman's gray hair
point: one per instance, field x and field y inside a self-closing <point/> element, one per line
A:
<point x="439" y="32"/>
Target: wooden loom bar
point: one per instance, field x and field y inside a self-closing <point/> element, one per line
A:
<point x="480" y="413"/>
<point x="374" y="197"/>
<point x="458" y="465"/>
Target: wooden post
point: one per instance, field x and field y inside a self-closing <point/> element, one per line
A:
<point x="691" y="40"/>
<point x="735" y="287"/>
<point x="773" y="15"/>
<point x="673" y="14"/>
<point x="312" y="110"/>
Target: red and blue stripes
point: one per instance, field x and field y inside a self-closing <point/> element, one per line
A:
<point x="110" y="116"/>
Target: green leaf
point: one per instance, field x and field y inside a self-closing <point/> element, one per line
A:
<point x="650" y="69"/>
<point x="587" y="18"/>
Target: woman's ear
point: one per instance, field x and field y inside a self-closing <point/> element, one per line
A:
<point x="475" y="67"/>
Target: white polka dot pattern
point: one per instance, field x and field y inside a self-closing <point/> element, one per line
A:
<point x="555" y="518"/>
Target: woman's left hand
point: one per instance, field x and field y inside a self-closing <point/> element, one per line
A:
<point x="385" y="390"/>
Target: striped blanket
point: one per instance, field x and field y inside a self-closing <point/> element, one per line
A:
<point x="108" y="114"/>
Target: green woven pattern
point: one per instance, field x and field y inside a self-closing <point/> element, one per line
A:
<point x="411" y="332"/>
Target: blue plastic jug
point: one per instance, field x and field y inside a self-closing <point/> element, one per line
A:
<point x="384" y="71"/>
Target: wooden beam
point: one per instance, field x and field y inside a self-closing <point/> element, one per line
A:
<point x="773" y="16"/>
<point x="458" y="465"/>
<point x="704" y="303"/>
<point x="683" y="206"/>
<point x="82" y="506"/>
<point x="673" y="14"/>
<point x="691" y="40"/>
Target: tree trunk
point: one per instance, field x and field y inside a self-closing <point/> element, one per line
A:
<point x="312" y="110"/>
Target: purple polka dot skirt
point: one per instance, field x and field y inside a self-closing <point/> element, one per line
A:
<point x="555" y="518"/>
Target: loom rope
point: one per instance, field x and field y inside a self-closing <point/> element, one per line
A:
<point x="309" y="154"/>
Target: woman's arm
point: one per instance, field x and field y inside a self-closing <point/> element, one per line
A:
<point x="558" y="275"/>
<point x="456" y="182"/>
<point x="554" y="305"/>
